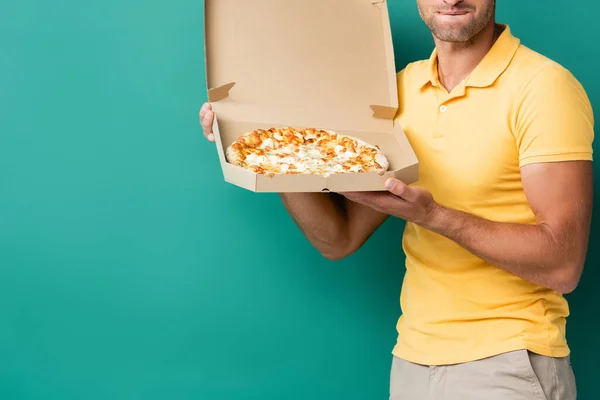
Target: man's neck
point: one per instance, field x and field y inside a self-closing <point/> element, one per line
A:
<point x="457" y="60"/>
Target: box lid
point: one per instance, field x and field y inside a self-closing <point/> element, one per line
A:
<point x="322" y="63"/>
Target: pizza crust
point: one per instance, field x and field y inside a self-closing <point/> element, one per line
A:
<point x="379" y="157"/>
<point x="232" y="156"/>
<point x="287" y="150"/>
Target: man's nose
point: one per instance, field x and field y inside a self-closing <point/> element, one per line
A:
<point x="453" y="2"/>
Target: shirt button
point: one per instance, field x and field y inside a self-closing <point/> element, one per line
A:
<point x="443" y="109"/>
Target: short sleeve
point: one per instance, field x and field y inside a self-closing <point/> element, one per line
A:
<point x="554" y="119"/>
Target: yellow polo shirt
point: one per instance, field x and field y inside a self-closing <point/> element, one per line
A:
<point x="517" y="107"/>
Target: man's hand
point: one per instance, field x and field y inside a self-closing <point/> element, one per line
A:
<point x="206" y="120"/>
<point x="410" y="203"/>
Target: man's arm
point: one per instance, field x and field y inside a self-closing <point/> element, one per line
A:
<point x="335" y="226"/>
<point x="554" y="130"/>
<point x="551" y="252"/>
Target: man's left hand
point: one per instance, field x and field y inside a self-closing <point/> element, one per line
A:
<point x="410" y="203"/>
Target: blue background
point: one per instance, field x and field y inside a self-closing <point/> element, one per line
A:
<point x="130" y="270"/>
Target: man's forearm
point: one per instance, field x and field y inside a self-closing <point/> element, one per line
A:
<point x="532" y="252"/>
<point x="321" y="220"/>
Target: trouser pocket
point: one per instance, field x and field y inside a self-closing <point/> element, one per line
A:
<point x="536" y="371"/>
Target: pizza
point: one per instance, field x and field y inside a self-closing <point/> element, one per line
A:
<point x="304" y="151"/>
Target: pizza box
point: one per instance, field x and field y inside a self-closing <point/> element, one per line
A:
<point x="305" y="63"/>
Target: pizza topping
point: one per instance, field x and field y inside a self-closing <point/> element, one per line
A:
<point x="294" y="151"/>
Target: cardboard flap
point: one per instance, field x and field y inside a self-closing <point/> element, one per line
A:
<point x="328" y="64"/>
<point x="219" y="93"/>
<point x="384" y="112"/>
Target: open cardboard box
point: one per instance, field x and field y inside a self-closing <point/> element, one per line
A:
<point x="325" y="64"/>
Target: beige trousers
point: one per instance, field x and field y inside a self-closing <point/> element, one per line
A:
<point x="517" y="375"/>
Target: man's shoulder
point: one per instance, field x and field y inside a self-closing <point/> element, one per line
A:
<point x="548" y="95"/>
<point x="533" y="67"/>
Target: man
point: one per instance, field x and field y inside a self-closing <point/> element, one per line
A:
<point x="498" y="223"/>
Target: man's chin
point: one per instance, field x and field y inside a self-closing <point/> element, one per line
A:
<point x="452" y="37"/>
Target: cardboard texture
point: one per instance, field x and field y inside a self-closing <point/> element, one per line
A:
<point x="305" y="63"/>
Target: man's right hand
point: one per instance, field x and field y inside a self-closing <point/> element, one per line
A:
<point x="207" y="116"/>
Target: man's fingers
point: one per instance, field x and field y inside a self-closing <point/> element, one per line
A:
<point x="378" y="200"/>
<point x="203" y="109"/>
<point x="206" y="121"/>
<point x="361" y="197"/>
<point x="401" y="190"/>
<point x="206" y="107"/>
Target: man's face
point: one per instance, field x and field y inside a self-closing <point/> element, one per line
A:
<point x="456" y="20"/>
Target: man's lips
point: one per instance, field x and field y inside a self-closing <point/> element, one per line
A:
<point x="453" y="12"/>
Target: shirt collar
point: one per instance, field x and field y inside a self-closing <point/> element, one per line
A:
<point x="488" y="70"/>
